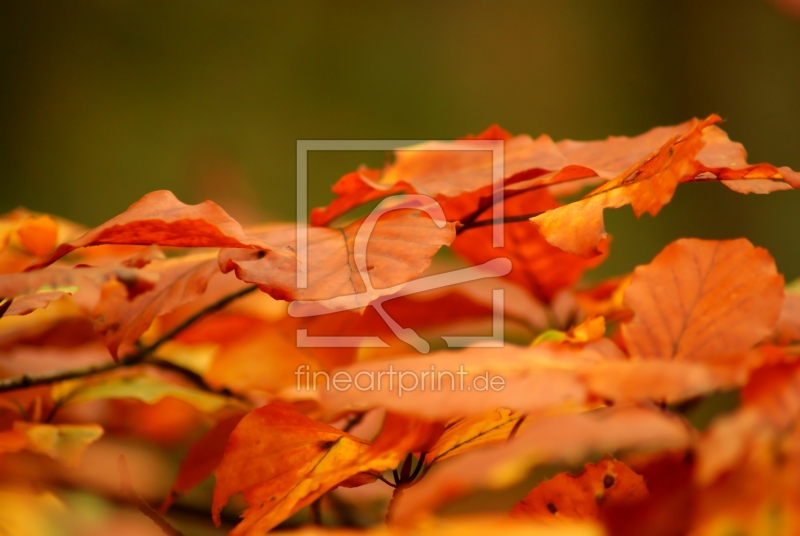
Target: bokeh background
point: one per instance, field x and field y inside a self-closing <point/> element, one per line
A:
<point x="104" y="101"/>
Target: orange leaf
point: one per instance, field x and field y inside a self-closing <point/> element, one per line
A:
<point x="398" y="249"/>
<point x="701" y="299"/>
<point x="470" y="433"/>
<point x="120" y="320"/>
<point x="159" y="218"/>
<point x="537" y="265"/>
<point x="608" y="483"/>
<point x="202" y="459"/>
<point x="38" y="235"/>
<point x="641" y="380"/>
<point x="770" y="405"/>
<point x="562" y="438"/>
<point x="650" y="184"/>
<point x="449" y="384"/>
<point x="282" y="461"/>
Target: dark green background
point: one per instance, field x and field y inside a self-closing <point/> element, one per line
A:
<point x="101" y="102"/>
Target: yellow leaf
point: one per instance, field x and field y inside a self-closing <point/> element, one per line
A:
<point x="62" y="442"/>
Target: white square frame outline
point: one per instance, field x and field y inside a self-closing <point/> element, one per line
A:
<point x="497" y="148"/>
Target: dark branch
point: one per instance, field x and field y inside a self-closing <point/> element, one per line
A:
<point x="26" y="381"/>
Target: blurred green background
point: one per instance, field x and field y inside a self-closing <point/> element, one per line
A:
<point x="104" y="101"/>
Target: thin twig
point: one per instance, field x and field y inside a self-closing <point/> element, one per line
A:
<point x="420" y="463"/>
<point x="130" y="493"/>
<point x="25" y="381"/>
<point x="386" y="481"/>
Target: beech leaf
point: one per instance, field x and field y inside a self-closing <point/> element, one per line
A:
<point x="564" y="497"/>
<point x="701" y="299"/>
<point x="397" y="250"/>
<point x="160" y="218"/>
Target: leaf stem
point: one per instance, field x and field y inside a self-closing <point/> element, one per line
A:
<point x="508" y="219"/>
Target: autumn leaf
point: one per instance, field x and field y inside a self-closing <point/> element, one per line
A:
<point x="149" y="389"/>
<point x="699" y="299"/>
<point x="770" y="405"/>
<point x="282" y="461"/>
<point x="537" y="265"/>
<point x="29" y="512"/>
<point x="470" y="433"/>
<point x="639" y="380"/>
<point x="450" y="384"/>
<point x="787" y="329"/>
<point x="121" y="319"/>
<point x="29" y="291"/>
<point x="607" y="483"/>
<point x="396" y="251"/>
<point x="265" y="360"/>
<point x="562" y="438"/>
<point x="62" y="442"/>
<point x="647" y="186"/>
<point x="445" y="171"/>
<point x="160" y="218"/>
<point x="202" y="459"/>
<point x="38" y="235"/>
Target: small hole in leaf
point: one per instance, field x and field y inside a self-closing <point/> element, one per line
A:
<point x="608" y="481"/>
<point x="261" y="254"/>
<point x="552" y="508"/>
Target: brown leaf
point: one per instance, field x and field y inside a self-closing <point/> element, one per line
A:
<point x="700" y="299"/>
